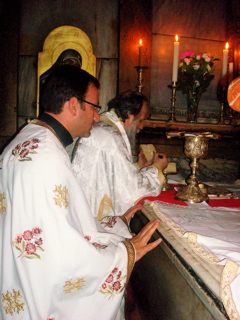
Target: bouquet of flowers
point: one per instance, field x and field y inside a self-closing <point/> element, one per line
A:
<point x="194" y="76"/>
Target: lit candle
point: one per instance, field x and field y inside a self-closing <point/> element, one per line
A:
<point x="225" y="61"/>
<point x="140" y="52"/>
<point x="175" y="60"/>
<point x="230" y="72"/>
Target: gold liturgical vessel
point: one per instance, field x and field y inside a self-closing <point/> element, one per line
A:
<point x="195" y="148"/>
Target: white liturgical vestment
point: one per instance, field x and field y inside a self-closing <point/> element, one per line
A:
<point x="55" y="264"/>
<point x="103" y="164"/>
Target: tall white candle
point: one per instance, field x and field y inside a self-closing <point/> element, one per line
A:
<point x="175" y="60"/>
<point x="225" y="61"/>
<point x="230" y="72"/>
<point x="140" y="52"/>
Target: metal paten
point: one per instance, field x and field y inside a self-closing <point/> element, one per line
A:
<point x="195" y="148"/>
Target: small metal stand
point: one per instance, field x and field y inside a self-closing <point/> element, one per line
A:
<point x="140" y="71"/>
<point x="173" y="100"/>
<point x="222" y="108"/>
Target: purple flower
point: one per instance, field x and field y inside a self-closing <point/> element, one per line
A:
<point x="187" y="54"/>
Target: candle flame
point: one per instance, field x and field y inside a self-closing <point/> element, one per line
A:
<point x="140" y="42"/>
<point x="227" y="45"/>
<point x="176" y="37"/>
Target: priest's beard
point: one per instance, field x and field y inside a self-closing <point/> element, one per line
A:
<point x="132" y="133"/>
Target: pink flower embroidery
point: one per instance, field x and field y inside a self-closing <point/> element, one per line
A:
<point x="104" y="286"/>
<point x="22" y="150"/>
<point x="30" y="248"/>
<point x="39" y="242"/>
<point x="28" y="243"/>
<point x="88" y="238"/>
<point x="109" y="278"/>
<point x="18" y="238"/>
<point x="99" y="246"/>
<point x="37" y="230"/>
<point x="114" y="284"/>
<point x="27" y="235"/>
<point x="117" y="285"/>
<point x="108" y="222"/>
<point x="115" y="270"/>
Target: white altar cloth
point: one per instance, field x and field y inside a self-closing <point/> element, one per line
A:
<point x="213" y="235"/>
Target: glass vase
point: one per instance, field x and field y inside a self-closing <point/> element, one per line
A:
<point x="193" y="98"/>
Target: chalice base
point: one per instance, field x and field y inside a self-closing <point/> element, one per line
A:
<point x="191" y="193"/>
<point x="166" y="185"/>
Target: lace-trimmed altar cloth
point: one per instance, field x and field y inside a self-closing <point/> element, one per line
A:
<point x="214" y="235"/>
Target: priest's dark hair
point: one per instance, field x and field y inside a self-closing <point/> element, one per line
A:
<point x="62" y="84"/>
<point x="127" y="102"/>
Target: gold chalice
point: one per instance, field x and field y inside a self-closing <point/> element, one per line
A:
<point x="196" y="147"/>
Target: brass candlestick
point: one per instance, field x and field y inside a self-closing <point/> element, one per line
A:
<point x="173" y="100"/>
<point x="140" y="70"/>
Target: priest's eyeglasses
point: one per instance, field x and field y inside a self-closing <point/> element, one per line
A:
<point x="97" y="107"/>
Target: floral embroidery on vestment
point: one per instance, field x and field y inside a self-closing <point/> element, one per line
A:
<point x="61" y="198"/>
<point x="74" y="285"/>
<point x="12" y="302"/>
<point x="108" y="221"/>
<point x="96" y="244"/>
<point x="99" y="246"/>
<point x="2" y="203"/>
<point x="28" y="243"/>
<point x="22" y="150"/>
<point x="113" y="284"/>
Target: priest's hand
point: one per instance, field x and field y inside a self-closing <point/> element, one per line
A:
<point x="142" y="161"/>
<point x="140" y="241"/>
<point x="161" y="159"/>
<point x="130" y="213"/>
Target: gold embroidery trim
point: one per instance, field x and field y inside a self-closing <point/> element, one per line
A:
<point x="131" y="258"/>
<point x="107" y="120"/>
<point x="106" y="203"/>
<point x="228" y="275"/>
<point x="45" y="125"/>
<point x="2" y="203"/>
<point x="74" y="285"/>
<point x="61" y="198"/>
<point x="12" y="302"/>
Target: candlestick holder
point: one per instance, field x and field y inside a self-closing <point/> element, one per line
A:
<point x="173" y="100"/>
<point x="140" y="71"/>
<point x="222" y="106"/>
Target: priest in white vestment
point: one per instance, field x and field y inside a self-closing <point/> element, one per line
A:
<point x="103" y="162"/>
<point x="55" y="264"/>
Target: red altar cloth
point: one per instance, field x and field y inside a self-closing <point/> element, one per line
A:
<point x="168" y="196"/>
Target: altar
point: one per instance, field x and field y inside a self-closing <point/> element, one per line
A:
<point x="194" y="272"/>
